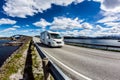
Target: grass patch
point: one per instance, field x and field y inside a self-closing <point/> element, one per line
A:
<point x="15" y="61"/>
<point x="37" y="64"/>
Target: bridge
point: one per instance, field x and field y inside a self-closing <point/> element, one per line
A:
<point x="66" y="63"/>
<point x="83" y="63"/>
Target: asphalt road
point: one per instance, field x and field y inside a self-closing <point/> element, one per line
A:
<point x="83" y="63"/>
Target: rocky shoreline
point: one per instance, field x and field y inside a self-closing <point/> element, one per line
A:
<point x="13" y="43"/>
<point x="18" y="67"/>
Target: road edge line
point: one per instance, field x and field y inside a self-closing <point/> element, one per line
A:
<point x="81" y="75"/>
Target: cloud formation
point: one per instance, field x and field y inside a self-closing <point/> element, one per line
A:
<point x="42" y="23"/>
<point x="108" y="19"/>
<point x="63" y="23"/>
<point x="77" y="27"/>
<point x="76" y="33"/>
<point x="110" y="5"/>
<point x="86" y="25"/>
<point x="23" y="8"/>
<point x="11" y="29"/>
<point x="6" y="21"/>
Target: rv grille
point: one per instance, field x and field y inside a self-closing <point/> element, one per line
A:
<point x="59" y="42"/>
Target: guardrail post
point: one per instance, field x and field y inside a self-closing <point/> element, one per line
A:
<point x="45" y="69"/>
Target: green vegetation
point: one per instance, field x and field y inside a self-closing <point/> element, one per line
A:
<point x="23" y="63"/>
<point x="37" y="66"/>
<point x="15" y="61"/>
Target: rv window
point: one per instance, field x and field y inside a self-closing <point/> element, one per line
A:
<point x="48" y="36"/>
<point x="55" y="36"/>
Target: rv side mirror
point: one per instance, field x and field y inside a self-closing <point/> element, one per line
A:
<point x="47" y="37"/>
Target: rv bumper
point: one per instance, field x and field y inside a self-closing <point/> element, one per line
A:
<point x="57" y="44"/>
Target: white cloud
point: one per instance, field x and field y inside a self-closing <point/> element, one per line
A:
<point x="115" y="29"/>
<point x="112" y="24"/>
<point x="86" y="32"/>
<point x="30" y="32"/>
<point x="102" y="31"/>
<point x="23" y="8"/>
<point x="6" y="21"/>
<point x="76" y="33"/>
<point x="62" y="23"/>
<point x="70" y="33"/>
<point x="86" y="25"/>
<point x="42" y="23"/>
<point x="110" y="9"/>
<point x="98" y="0"/>
<point x="25" y="31"/>
<point x="10" y="29"/>
<point x="16" y="26"/>
<point x="98" y="27"/>
<point x="110" y="5"/>
<point x="108" y="19"/>
<point x="96" y="31"/>
<point x="19" y="8"/>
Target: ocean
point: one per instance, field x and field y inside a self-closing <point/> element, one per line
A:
<point x="109" y="42"/>
<point x="5" y="51"/>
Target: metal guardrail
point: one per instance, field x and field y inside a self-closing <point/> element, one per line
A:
<point x="99" y="45"/>
<point x="50" y="67"/>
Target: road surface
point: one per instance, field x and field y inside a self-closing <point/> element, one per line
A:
<point x="83" y="63"/>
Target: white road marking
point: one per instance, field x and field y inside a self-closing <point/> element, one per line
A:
<point x="79" y="74"/>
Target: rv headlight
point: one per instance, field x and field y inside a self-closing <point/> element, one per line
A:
<point x="53" y="42"/>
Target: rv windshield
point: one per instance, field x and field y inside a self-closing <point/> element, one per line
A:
<point x="55" y="36"/>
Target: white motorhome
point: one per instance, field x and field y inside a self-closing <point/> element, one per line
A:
<point x="53" y="39"/>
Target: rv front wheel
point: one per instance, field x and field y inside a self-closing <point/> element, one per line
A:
<point x="49" y="44"/>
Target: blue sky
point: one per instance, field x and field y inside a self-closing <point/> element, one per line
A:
<point x="69" y="17"/>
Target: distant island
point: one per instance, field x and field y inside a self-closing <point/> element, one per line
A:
<point x="14" y="37"/>
<point x="5" y="38"/>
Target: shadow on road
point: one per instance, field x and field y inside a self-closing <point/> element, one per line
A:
<point x="43" y="45"/>
<point x="46" y="46"/>
<point x="28" y="74"/>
